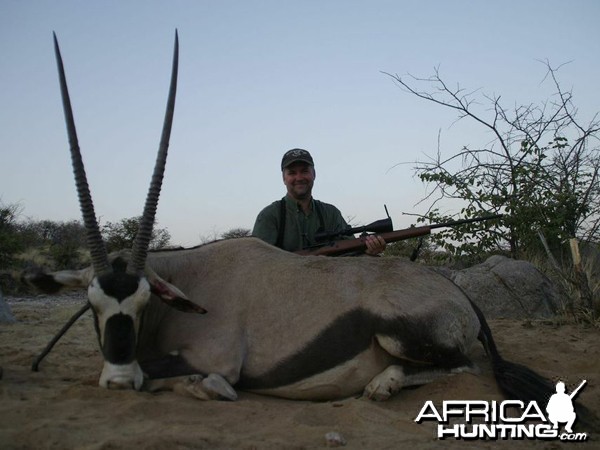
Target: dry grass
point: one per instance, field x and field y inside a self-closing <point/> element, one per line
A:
<point x="579" y="285"/>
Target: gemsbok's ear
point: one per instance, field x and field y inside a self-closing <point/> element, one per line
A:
<point x="51" y="283"/>
<point x="171" y="295"/>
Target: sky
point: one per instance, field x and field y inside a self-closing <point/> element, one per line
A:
<point x="259" y="77"/>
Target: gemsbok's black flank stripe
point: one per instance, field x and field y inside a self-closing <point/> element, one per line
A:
<point x="348" y="336"/>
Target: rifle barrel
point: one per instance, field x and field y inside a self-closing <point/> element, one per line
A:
<point x="464" y="221"/>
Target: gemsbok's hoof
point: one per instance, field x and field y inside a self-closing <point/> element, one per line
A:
<point x="218" y="386"/>
<point x="212" y="387"/>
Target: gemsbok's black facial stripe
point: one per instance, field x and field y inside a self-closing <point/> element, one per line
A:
<point x="119" y="339"/>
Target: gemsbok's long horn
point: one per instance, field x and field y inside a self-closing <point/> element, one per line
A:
<point x="144" y="234"/>
<point x="94" y="238"/>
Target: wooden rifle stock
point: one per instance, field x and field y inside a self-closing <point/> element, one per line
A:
<point x="353" y="245"/>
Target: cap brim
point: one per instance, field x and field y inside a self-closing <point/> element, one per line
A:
<point x="289" y="163"/>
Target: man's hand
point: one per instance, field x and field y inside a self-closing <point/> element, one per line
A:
<point x="375" y="245"/>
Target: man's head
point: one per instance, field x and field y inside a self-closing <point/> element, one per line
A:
<point x="298" y="171"/>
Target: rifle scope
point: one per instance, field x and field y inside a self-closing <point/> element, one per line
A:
<point x="379" y="226"/>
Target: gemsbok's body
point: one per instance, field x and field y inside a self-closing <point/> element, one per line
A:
<point x="277" y="323"/>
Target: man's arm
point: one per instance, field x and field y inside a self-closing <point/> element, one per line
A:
<point x="375" y="244"/>
<point x="265" y="226"/>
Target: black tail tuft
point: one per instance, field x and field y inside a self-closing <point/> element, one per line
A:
<point x="521" y="383"/>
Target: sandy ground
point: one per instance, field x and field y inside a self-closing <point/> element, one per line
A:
<point x="62" y="407"/>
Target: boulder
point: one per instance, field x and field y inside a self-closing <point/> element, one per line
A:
<point x="508" y="288"/>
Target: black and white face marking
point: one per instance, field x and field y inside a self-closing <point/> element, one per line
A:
<point x="118" y="300"/>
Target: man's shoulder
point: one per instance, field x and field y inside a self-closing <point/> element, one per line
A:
<point x="326" y="206"/>
<point x="271" y="209"/>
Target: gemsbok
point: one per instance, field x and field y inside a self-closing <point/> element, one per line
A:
<point x="277" y="323"/>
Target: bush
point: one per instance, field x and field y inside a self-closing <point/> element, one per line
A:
<point x="11" y="242"/>
<point x="120" y="235"/>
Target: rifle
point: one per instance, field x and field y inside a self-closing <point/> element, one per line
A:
<point x="339" y="247"/>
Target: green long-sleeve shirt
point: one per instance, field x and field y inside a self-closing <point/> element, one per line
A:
<point x="300" y="228"/>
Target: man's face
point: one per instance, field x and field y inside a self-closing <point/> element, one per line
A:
<point x="299" y="179"/>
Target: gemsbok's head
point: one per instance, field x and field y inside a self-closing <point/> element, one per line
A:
<point x="119" y="288"/>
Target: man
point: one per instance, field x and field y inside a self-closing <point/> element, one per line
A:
<point x="292" y="222"/>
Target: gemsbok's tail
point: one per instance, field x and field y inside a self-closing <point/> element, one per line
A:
<point x="519" y="382"/>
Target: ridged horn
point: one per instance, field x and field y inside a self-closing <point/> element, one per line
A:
<point x="94" y="238"/>
<point x="144" y="234"/>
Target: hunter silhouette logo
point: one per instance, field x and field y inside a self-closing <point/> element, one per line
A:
<point x="509" y="419"/>
<point x="560" y="406"/>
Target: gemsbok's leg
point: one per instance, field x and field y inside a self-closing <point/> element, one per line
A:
<point x="410" y="371"/>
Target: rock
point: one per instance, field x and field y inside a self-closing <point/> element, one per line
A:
<point x="6" y="315"/>
<point x="508" y="288"/>
<point x="334" y="439"/>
